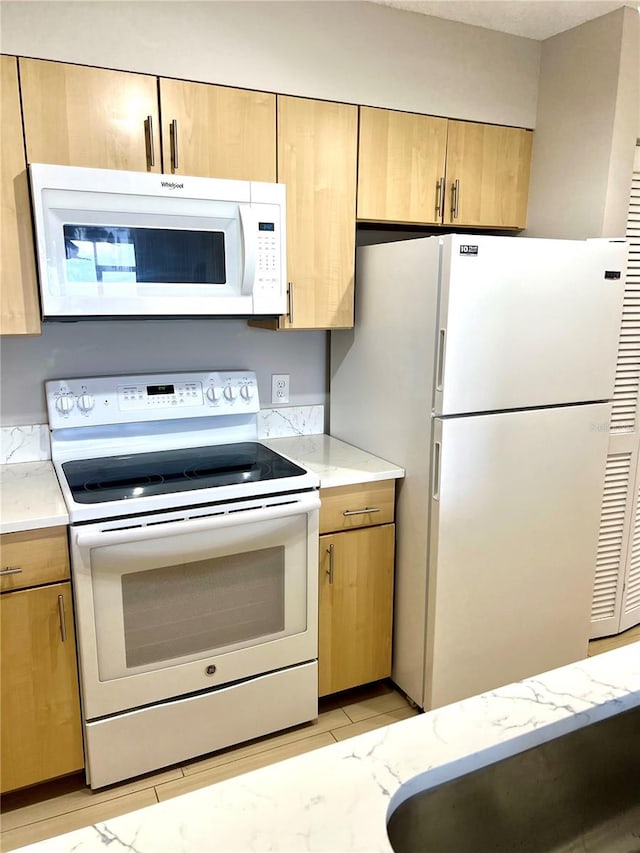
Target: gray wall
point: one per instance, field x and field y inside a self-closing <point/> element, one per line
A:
<point x="586" y="128"/>
<point x="65" y="350"/>
<point x="350" y="51"/>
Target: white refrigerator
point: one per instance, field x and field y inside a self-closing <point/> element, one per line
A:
<point x="485" y="366"/>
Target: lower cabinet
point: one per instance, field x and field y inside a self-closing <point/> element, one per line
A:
<point x="356" y="568"/>
<point x="41" y="734"/>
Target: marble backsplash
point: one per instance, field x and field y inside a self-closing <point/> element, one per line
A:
<point x="31" y="443"/>
<point x="290" y="420"/>
<point x="24" y="443"/>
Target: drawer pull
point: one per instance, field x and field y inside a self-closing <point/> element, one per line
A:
<point x="364" y="511"/>
<point x="10" y="571"/>
<point x="330" y="569"/>
<point x="61" y="616"/>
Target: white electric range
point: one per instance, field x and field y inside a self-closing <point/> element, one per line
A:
<point x="194" y="566"/>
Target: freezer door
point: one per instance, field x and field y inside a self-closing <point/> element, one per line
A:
<point x="526" y="322"/>
<point x="513" y="538"/>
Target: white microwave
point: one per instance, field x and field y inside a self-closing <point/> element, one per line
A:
<point x="114" y="244"/>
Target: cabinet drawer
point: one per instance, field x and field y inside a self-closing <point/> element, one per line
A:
<point x="41" y="555"/>
<point x="347" y="507"/>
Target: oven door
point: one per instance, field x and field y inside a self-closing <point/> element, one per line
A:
<point x="187" y="601"/>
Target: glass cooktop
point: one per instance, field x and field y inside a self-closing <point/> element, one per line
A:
<point x="137" y="475"/>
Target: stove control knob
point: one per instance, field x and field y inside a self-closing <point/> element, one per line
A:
<point x="230" y="392"/>
<point x="246" y="392"/>
<point x="64" y="404"/>
<point x="213" y="394"/>
<point x="85" y="403"/>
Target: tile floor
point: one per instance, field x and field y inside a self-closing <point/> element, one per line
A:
<point x="596" y="647"/>
<point x="66" y="804"/>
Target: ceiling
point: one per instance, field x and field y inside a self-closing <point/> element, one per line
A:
<point x="535" y="19"/>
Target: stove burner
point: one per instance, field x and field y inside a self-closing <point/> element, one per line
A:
<point x="255" y="472"/>
<point x="139" y="475"/>
<point x="134" y="482"/>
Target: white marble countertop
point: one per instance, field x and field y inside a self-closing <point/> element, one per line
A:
<point x="337" y="798"/>
<point x="30" y="497"/>
<point x="335" y="462"/>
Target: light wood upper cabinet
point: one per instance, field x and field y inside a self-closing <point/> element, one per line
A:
<point x="403" y="159"/>
<point x="20" y="310"/>
<point x="217" y="131"/>
<point x="317" y="153"/>
<point x="79" y="116"/>
<point x="41" y="732"/>
<point x="355" y="607"/>
<point x="487" y="175"/>
<point x="401" y="166"/>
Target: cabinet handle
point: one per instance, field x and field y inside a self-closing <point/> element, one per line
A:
<point x="11" y="571"/>
<point x="455" y="198"/>
<point x="63" y="625"/>
<point x="290" y="295"/>
<point x="148" y="127"/>
<point x="440" y="196"/>
<point x="364" y="511"/>
<point x="330" y="569"/>
<point x="174" y="143"/>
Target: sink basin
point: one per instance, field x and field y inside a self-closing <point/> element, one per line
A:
<point x="579" y="792"/>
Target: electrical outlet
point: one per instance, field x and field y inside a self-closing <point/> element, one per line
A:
<point x="279" y="388"/>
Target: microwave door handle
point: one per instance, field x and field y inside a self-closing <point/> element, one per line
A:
<point x="249" y="240"/>
<point x="298" y="506"/>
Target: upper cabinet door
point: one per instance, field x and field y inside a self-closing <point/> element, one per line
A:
<point x="18" y="292"/>
<point x="79" y="116"/>
<point x="317" y="152"/>
<point x="487" y="175"/>
<point x="401" y="166"/>
<point x="218" y="132"/>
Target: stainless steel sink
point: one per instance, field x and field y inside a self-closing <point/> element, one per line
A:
<point x="580" y="792"/>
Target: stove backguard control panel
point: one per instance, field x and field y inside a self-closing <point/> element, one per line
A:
<point x="151" y="397"/>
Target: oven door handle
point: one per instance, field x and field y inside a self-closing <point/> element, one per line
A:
<point x="300" y="505"/>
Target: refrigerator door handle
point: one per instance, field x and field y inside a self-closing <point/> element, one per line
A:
<point x="437" y="451"/>
<point x="440" y="360"/>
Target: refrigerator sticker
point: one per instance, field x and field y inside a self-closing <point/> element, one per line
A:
<point x="612" y="274"/>
<point x="468" y="250"/>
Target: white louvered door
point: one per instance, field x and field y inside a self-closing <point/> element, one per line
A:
<point x="616" y="598"/>
<point x="630" y="614"/>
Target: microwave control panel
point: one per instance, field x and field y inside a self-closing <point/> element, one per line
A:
<point x="106" y="400"/>
<point x="268" y="255"/>
<point x="269" y="249"/>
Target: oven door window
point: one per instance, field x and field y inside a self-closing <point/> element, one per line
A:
<point x="180" y="610"/>
<point x="171" y="600"/>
